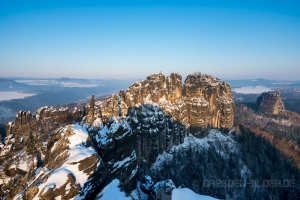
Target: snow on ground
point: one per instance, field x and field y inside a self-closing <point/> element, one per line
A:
<point x="79" y="137"/>
<point x="105" y="135"/>
<point x="125" y="162"/>
<point x="40" y="172"/>
<point x="23" y="165"/>
<point x="185" y="193"/>
<point x="214" y="136"/>
<point x="4" y="180"/>
<point x="102" y="138"/>
<point x="98" y="123"/>
<point x="4" y="96"/>
<point x="77" y="152"/>
<point x="252" y="90"/>
<point x="224" y="144"/>
<point x="112" y="191"/>
<point x="57" y="179"/>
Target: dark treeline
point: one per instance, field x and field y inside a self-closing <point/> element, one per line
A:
<point x="254" y="169"/>
<point x="2" y="132"/>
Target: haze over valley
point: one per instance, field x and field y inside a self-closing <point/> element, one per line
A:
<point x="149" y="100"/>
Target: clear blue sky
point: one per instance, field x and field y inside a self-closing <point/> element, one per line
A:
<point x="131" y="39"/>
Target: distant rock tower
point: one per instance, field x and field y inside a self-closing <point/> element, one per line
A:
<point x="90" y="117"/>
<point x="119" y="106"/>
<point x="270" y="103"/>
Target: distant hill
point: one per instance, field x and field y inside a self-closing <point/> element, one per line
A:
<point x="52" y="92"/>
<point x="10" y="85"/>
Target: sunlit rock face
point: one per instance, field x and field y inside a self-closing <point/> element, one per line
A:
<point x="71" y="166"/>
<point x="201" y="101"/>
<point x="45" y="120"/>
<point x="209" y="101"/>
<point x="270" y="103"/>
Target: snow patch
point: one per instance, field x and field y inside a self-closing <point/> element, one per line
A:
<point x="112" y="191"/>
<point x="185" y="193"/>
<point x="79" y="137"/>
<point x="215" y="137"/>
<point x="77" y="153"/>
<point x="125" y="162"/>
<point x="57" y="179"/>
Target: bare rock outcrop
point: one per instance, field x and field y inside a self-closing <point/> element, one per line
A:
<point x="72" y="165"/>
<point x="201" y="101"/>
<point x="270" y="103"/>
<point x="93" y="110"/>
<point x="45" y="120"/>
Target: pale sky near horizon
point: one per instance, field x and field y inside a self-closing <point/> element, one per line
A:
<point x="132" y="39"/>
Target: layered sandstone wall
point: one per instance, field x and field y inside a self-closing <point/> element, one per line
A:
<point x="200" y="102"/>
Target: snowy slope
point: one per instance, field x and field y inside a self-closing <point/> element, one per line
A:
<point x="224" y="144"/>
<point x="112" y="191"/>
<point x="71" y="173"/>
<point x="185" y="193"/>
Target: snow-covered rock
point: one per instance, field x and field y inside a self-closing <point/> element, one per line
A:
<point x="71" y="164"/>
<point x="112" y="191"/>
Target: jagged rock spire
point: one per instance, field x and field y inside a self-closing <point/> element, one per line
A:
<point x="270" y="103"/>
<point x="201" y="101"/>
<point x="90" y="117"/>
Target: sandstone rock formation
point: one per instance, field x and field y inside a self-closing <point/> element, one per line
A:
<point x="270" y="103"/>
<point x="116" y="144"/>
<point x="201" y="101"/>
<point x="93" y="110"/>
<point x="71" y="164"/>
<point x="131" y="128"/>
<point x="45" y="120"/>
<point x="137" y="139"/>
<point x="146" y="130"/>
<point x="91" y="113"/>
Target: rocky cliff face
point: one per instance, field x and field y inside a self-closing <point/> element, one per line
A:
<point x="155" y="132"/>
<point x="127" y="143"/>
<point x="128" y="131"/>
<point x="71" y="162"/>
<point x="46" y="119"/>
<point x="270" y="103"/>
<point x="201" y="101"/>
